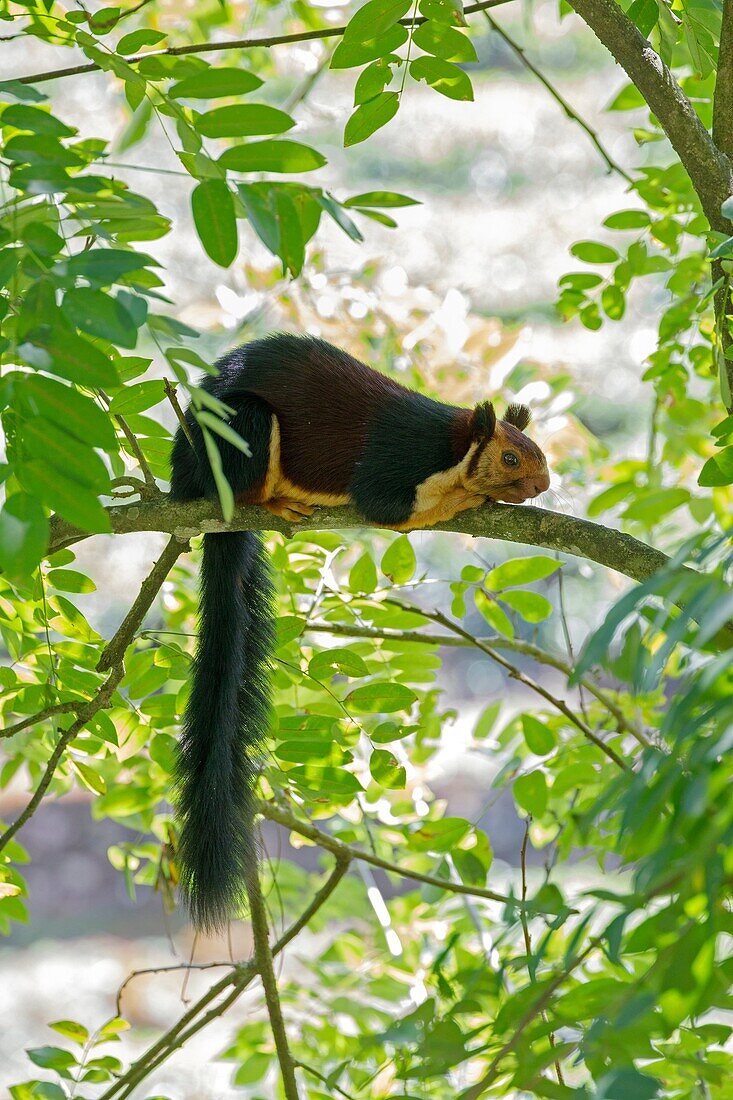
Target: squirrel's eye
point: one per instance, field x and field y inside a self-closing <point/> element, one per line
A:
<point x="510" y="459"/>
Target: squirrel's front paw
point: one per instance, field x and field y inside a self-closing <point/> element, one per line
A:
<point x="294" y="511"/>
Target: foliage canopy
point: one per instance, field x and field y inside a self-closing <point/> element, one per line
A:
<point x="450" y="974"/>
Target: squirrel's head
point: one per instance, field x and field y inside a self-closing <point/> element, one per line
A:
<point x="502" y="462"/>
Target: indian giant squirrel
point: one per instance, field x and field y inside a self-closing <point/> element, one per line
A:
<point x="322" y="428"/>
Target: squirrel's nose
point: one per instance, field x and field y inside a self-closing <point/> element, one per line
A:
<point x="541" y="484"/>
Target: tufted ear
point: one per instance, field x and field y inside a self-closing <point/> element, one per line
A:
<point x="518" y="415"/>
<point x="483" y="421"/>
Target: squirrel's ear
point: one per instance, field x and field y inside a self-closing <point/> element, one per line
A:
<point x="483" y="421"/>
<point x="518" y="415"/>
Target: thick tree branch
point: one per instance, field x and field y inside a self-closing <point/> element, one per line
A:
<point x="723" y="98"/>
<point x="235" y="44"/>
<point x="723" y="138"/>
<point x="708" y="167"/>
<point x="509" y="522"/>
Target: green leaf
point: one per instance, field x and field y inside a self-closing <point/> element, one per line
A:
<point x="493" y="613"/>
<point x="337" y="660"/>
<point x="381" y="698"/>
<point x="593" y="252"/>
<point x="373" y="80"/>
<point x="645" y="14"/>
<point x="104" y="266"/>
<point x="628" y="219"/>
<point x="386" y="770"/>
<point x="225" y="431"/>
<point x="386" y="732"/>
<point x="539" y="737"/>
<point x="651" y="507"/>
<point x="91" y="779"/>
<point x="131" y="43"/>
<point x="112" y="1029"/>
<point x="613" y="301"/>
<point x="444" y="11"/>
<point x="291" y="246"/>
<point x="521" y="571"/>
<point x="398" y="561"/>
<point x="69" y="580"/>
<point x="223" y="488"/>
<point x="50" y="444"/>
<point x="443" y="76"/>
<point x="350" y="55"/>
<point x="627" y="1083"/>
<point x="371" y="116"/>
<point x="374" y="18"/>
<point x="36" y="119"/>
<point x="363" y="575"/>
<point x="336" y="211"/>
<point x="381" y="198"/>
<point x="486" y="720"/>
<point x="335" y="784"/>
<point x="38" y="1090"/>
<point x="215" y="83"/>
<point x="138" y="397"/>
<point x="75" y="502"/>
<point x="261" y="211"/>
<point x="718" y="470"/>
<point x="216" y="224"/>
<point x="628" y="99"/>
<point x="439" y="836"/>
<point x="51" y="1058"/>
<point x="533" y="607"/>
<point x="530" y="793"/>
<point x="272" y="156"/>
<point x="443" y="41"/>
<point x="243" y="120"/>
<point x="99" y="314"/>
<point x="23" y="535"/>
<point x="70" y="356"/>
<point x="13" y="89"/>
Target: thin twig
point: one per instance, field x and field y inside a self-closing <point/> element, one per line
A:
<point x="516" y="645"/>
<point x="240" y="977"/>
<point x="170" y="392"/>
<point x="288" y="820"/>
<point x="33" y="719"/>
<point x="478" y="1090"/>
<point x="528" y="938"/>
<point x="150" y="482"/>
<point x="708" y="167"/>
<point x="571" y="113"/>
<point x="100" y="700"/>
<point x="114" y="651"/>
<point x="263" y="958"/>
<point x="187" y="966"/>
<point x="233" y="44"/>
<point x="517" y="674"/>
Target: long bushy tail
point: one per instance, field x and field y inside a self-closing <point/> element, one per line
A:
<point x="225" y="723"/>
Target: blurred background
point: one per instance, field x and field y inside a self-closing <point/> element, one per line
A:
<point x="460" y="297"/>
